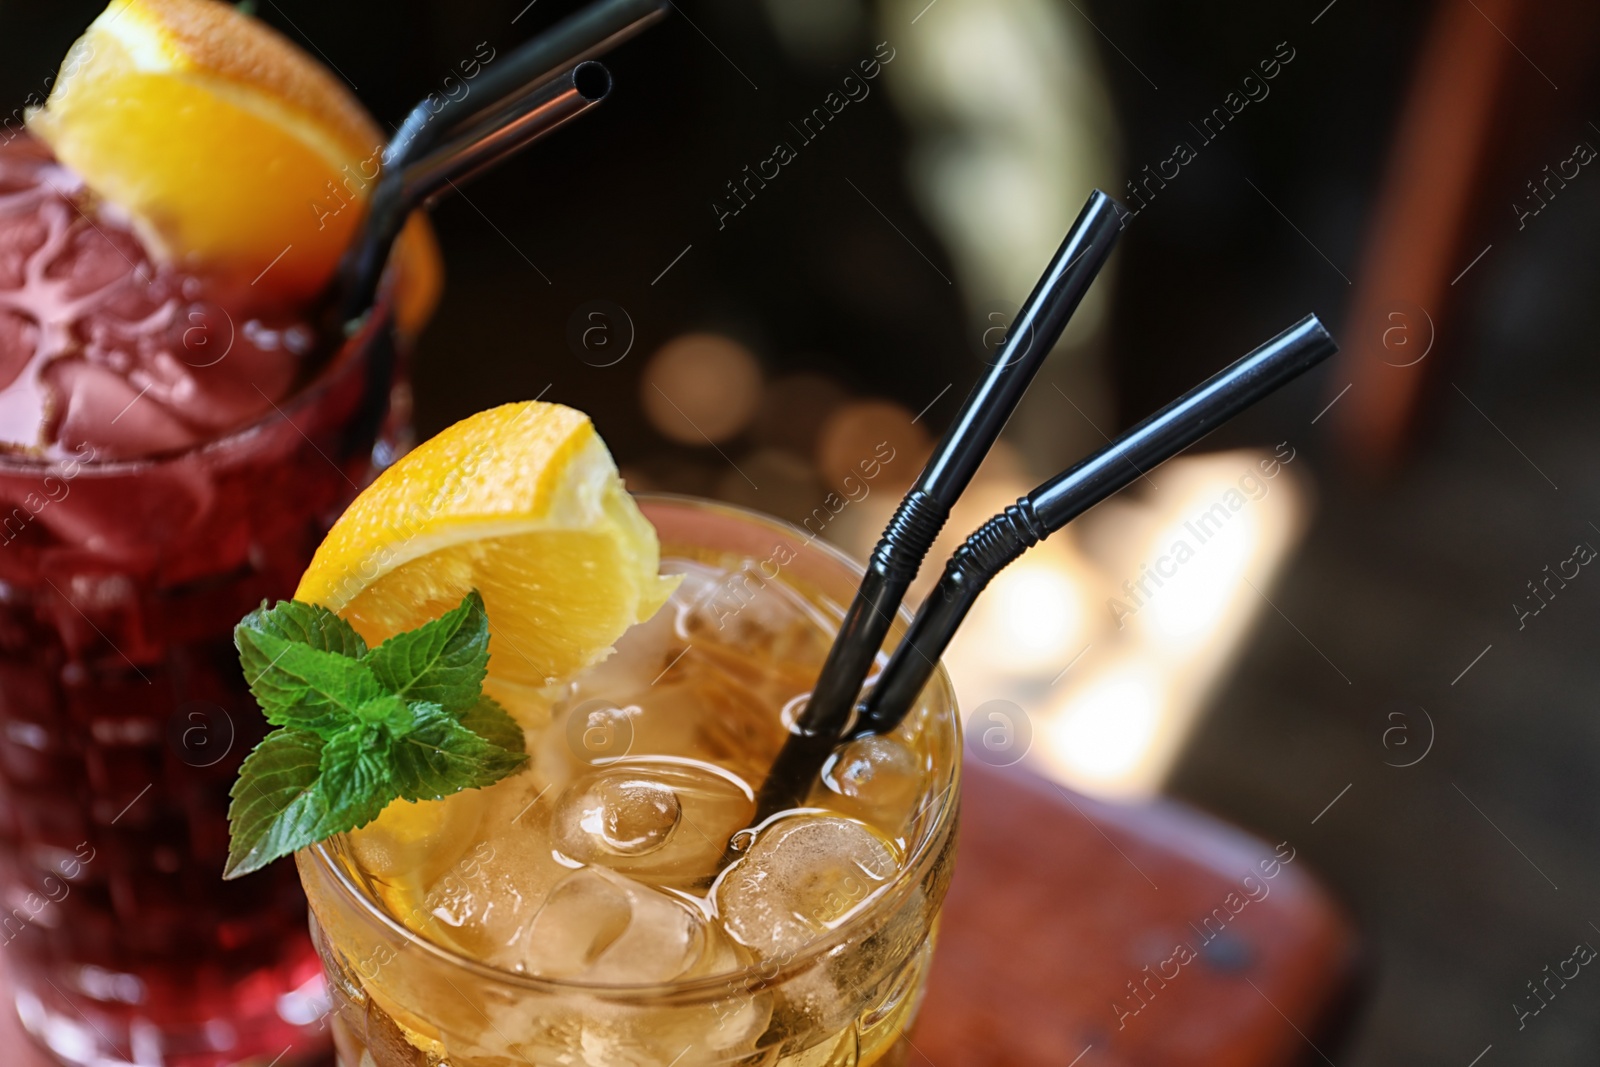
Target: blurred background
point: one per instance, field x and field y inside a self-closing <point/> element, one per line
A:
<point x="1356" y="619"/>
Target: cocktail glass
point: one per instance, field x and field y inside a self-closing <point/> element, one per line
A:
<point x="846" y="997"/>
<point x="124" y="717"/>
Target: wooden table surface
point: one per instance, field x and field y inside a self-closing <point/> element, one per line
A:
<point x="1060" y="903"/>
<point x="1084" y="933"/>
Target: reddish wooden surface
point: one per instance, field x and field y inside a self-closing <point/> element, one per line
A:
<point x="1059" y="901"/>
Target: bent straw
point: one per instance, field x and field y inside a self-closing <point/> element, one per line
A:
<point x="1066" y="496"/>
<point x="501" y="89"/>
<point x="923" y="512"/>
<point x="586" y="34"/>
<point x="507" y="130"/>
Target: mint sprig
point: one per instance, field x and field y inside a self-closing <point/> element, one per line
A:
<point x="358" y="728"/>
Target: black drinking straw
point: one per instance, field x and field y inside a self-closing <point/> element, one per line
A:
<point x="507" y="87"/>
<point x="506" y="130"/>
<point x="585" y="34"/>
<point x="1069" y="494"/>
<point x="923" y="512"/>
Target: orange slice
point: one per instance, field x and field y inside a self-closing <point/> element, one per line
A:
<point x="521" y="502"/>
<point x="233" y="152"/>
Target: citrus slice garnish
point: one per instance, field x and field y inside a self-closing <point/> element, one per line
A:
<point x="521" y="502"/>
<point x="233" y="152"/>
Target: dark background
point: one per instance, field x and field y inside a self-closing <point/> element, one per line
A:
<point x="1469" y="871"/>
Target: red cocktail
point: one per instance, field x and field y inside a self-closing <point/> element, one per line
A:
<point x="166" y="469"/>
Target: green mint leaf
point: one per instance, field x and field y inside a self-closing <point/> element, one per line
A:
<point x="357" y="778"/>
<point x="308" y="624"/>
<point x="440" y="755"/>
<point x="386" y="711"/>
<point x="442" y="662"/>
<point x="276" y="806"/>
<point x="360" y="728"/>
<point x="298" y="685"/>
<point x="296" y="789"/>
<point x="490" y="721"/>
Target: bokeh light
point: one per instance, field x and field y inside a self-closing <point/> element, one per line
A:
<point x="1102" y="734"/>
<point x="862" y="431"/>
<point x="1033" y="616"/>
<point x="700" y="388"/>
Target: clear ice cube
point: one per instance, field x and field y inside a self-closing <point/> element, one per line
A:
<point x="418" y="840"/>
<point x="876" y="779"/>
<point x="801" y="877"/>
<point x="590" y="1030"/>
<point x="483" y="903"/>
<point x="601" y="927"/>
<point x="627" y="816"/>
<point x="708" y="677"/>
<point x="660" y="821"/>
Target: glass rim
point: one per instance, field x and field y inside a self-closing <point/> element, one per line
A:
<point x="754" y="976"/>
<point x="378" y="321"/>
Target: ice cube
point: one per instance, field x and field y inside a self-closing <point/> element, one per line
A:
<point x="748" y="606"/>
<point x="625" y="816"/>
<point x="707" y="678"/>
<point x="708" y="702"/>
<point x="665" y="822"/>
<point x="688" y="1033"/>
<point x="801" y="877"/>
<point x="599" y="926"/>
<point x="483" y="903"/>
<point x="875" y="779"/>
<point x="647" y="649"/>
<point x="589" y="1030"/>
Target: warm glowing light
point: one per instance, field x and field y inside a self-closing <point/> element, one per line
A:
<point x="1195" y="591"/>
<point x="1112" y="635"/>
<point x="876" y="437"/>
<point x="700" y="388"/>
<point x="1010" y="119"/>
<point x="1103" y="732"/>
<point x="1030" y="617"/>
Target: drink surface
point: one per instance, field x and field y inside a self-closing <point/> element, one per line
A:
<point x="105" y="352"/>
<point x="602" y="864"/>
